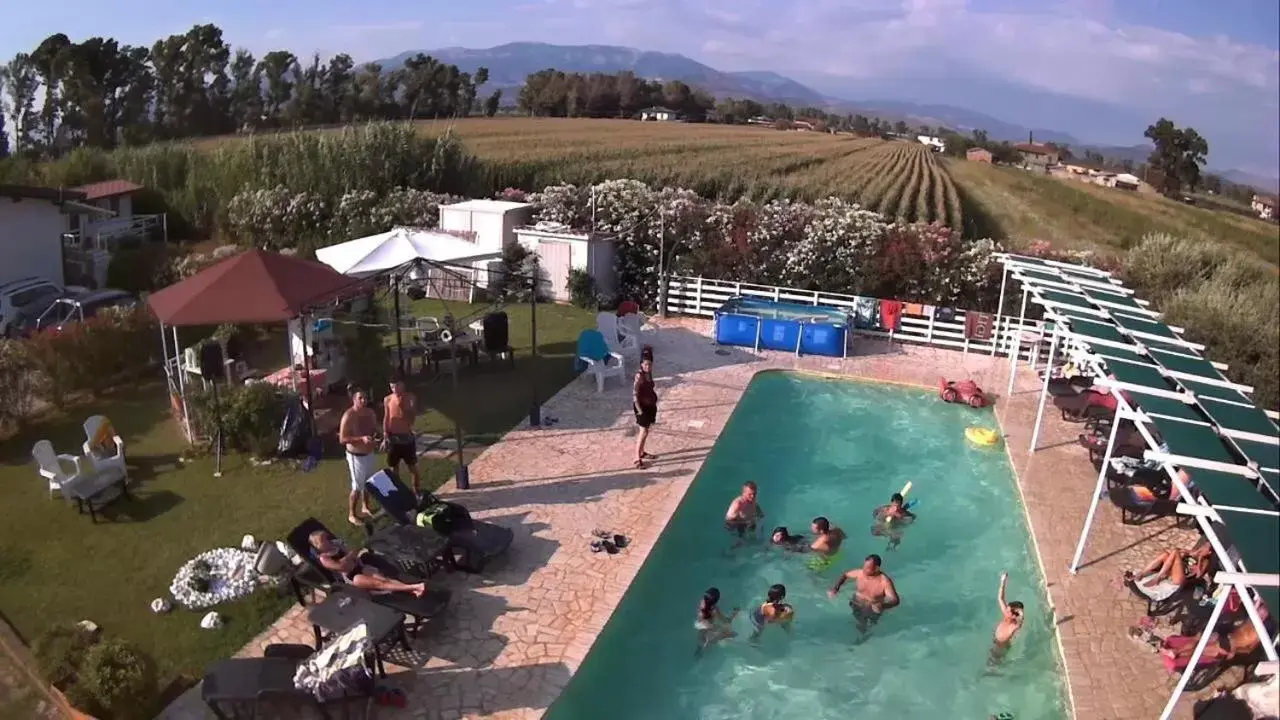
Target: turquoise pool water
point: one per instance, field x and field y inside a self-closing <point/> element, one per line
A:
<point x="838" y="449"/>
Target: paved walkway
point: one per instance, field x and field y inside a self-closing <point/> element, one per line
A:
<point x="515" y="635"/>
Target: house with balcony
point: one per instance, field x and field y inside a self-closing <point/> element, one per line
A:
<point x="101" y="222"/>
<point x="1264" y="206"/>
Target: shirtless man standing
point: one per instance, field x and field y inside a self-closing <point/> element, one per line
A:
<point x="828" y="537"/>
<point x="356" y="432"/>
<point x="873" y="595"/>
<point x="399" y="410"/>
<point x="1011" y="616"/>
<point x="743" y="512"/>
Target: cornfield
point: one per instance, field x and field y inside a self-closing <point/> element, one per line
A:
<point x="902" y="180"/>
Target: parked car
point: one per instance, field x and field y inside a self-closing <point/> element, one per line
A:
<point x="24" y="299"/>
<point x="66" y="310"/>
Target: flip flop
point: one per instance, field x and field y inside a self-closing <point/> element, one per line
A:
<point x="609" y="547"/>
<point x="602" y="534"/>
<point x="597" y="546"/>
<point x="620" y="541"/>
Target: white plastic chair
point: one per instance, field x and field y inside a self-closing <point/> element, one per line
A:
<point x="102" y="462"/>
<point x="632" y="325"/>
<point x="627" y="346"/>
<point x="51" y="467"/>
<point x="602" y="369"/>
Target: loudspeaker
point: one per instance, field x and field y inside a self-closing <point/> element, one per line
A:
<point x="211" y="361"/>
<point x="235" y="349"/>
<point x="497" y="337"/>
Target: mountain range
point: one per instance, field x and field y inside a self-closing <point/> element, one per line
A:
<point x="511" y="63"/>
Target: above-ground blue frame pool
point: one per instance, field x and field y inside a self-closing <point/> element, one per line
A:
<point x="802" y="329"/>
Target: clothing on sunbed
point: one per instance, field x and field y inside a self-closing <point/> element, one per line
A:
<point x="1157" y="591"/>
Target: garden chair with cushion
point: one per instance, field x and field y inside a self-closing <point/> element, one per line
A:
<point x="471" y="543"/>
<point x="628" y="346"/>
<point x="52" y="468"/>
<point x="292" y="674"/>
<point x="311" y="574"/>
<point x="595" y="357"/>
<point x="103" y="446"/>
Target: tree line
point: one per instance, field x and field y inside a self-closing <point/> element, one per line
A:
<point x="101" y="93"/>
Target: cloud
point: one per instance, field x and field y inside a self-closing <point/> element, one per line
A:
<point x="378" y="28"/>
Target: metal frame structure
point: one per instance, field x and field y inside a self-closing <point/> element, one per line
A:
<point x="1160" y="382"/>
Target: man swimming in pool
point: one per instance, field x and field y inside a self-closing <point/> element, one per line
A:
<point x="773" y="611"/>
<point x="826" y="544"/>
<point x="1011" y="616"/>
<point x="873" y="594"/>
<point x="744" y="511"/>
<point x="890" y="518"/>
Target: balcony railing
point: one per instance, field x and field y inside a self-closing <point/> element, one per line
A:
<point x="111" y="235"/>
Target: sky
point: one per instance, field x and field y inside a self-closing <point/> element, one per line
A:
<point x="1213" y="64"/>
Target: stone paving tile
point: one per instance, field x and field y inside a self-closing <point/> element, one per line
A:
<point x="515" y="635"/>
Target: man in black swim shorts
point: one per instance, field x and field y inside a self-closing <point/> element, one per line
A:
<point x="400" y="409"/>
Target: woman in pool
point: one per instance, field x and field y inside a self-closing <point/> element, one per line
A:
<point x="773" y="611"/>
<point x="712" y="624"/>
<point x="783" y="538"/>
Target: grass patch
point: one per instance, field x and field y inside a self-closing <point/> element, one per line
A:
<point x="1025" y="206"/>
<point x="55" y="566"/>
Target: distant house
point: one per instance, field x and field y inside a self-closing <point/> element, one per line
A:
<point x="936" y="144"/>
<point x="659" y="114"/>
<point x="978" y="155"/>
<point x="1264" y="206"/>
<point x="760" y="120"/>
<point x="806" y="125"/>
<point x="1125" y="181"/>
<point x="1037" y="154"/>
<point x="1083" y="167"/>
<point x="91" y="237"/>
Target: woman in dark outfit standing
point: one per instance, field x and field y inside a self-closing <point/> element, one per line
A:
<point x="644" y="402"/>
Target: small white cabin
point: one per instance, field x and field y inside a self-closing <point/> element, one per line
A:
<point x="560" y="250"/>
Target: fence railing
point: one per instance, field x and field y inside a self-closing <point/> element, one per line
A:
<point x="702" y="297"/>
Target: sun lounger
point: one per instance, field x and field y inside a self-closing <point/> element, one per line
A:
<point x="258" y="681"/>
<point x="471" y="544"/>
<point x="1088" y="405"/>
<point x="317" y="577"/>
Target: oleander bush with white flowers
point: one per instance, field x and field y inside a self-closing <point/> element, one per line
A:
<point x="831" y="245"/>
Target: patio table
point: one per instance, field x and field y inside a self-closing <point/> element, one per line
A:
<point x="285" y="378"/>
<point x="344" y="608"/>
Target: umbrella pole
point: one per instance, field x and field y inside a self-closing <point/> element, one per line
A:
<point x="306" y="375"/>
<point x="535" y="407"/>
<point x="395" y="292"/>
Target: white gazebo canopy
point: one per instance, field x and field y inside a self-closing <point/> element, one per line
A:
<point x="392" y="249"/>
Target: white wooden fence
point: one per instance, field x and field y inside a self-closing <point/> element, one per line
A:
<point x="702" y="297"/>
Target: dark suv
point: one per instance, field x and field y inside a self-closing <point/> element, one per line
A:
<point x="67" y="310"/>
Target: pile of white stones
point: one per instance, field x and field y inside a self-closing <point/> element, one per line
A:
<point x="232" y="576"/>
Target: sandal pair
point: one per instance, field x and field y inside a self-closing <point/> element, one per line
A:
<point x="608" y="542"/>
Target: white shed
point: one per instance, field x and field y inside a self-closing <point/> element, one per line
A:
<point x="561" y="250"/>
<point x="494" y="222"/>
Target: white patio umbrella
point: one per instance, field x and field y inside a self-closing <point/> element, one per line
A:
<point x="394" y="248"/>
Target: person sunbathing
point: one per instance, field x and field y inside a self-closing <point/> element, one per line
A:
<point x="355" y="567"/>
<point x="1241" y="640"/>
<point x="1170" y="570"/>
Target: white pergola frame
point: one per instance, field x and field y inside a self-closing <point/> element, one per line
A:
<point x="1233" y="573"/>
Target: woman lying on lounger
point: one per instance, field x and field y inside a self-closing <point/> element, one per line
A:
<point x="354" y="567"/>
<point x="1169" y="571"/>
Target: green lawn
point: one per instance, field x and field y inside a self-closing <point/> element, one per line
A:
<point x="55" y="566"/>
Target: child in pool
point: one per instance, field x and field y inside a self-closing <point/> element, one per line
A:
<point x="711" y="624"/>
<point x="773" y="611"/>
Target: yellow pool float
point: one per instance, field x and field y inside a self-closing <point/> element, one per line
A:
<point x="982" y="436"/>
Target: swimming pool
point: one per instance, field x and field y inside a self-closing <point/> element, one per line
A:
<point x="801" y="329"/>
<point x="838" y="449"/>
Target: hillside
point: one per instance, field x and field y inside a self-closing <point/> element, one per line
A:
<point x="1001" y="202"/>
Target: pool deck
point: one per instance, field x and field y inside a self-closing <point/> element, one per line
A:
<point x="515" y="635"/>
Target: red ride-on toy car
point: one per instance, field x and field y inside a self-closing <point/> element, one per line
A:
<point x="966" y="391"/>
